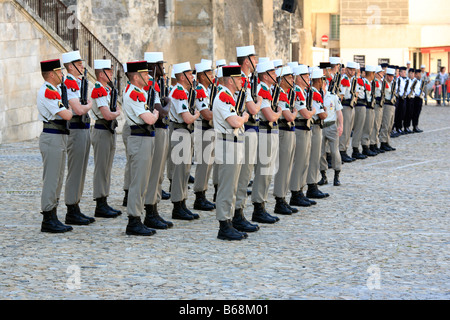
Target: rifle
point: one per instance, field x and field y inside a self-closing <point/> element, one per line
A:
<point x="276" y="95"/>
<point x="334" y="83"/>
<point x="422" y="88"/>
<point x="405" y="89"/>
<point x="372" y="94"/>
<point x="113" y="105"/>
<point x="383" y="92"/>
<point x="84" y="89"/>
<point x="213" y="93"/>
<point x="411" y="93"/>
<point x="241" y="99"/>
<point x="354" y="96"/>
<point x="291" y="98"/>
<point x="393" y="95"/>
<point x="191" y="101"/>
<point x="64" y="98"/>
<point x="254" y="93"/>
<point x="151" y="94"/>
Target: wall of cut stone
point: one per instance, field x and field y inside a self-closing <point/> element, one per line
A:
<point x="22" y="47"/>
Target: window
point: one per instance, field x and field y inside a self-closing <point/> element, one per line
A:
<point x="162" y="12"/>
<point x="334" y="26"/>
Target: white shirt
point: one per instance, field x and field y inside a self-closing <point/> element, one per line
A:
<point x="47" y="107"/>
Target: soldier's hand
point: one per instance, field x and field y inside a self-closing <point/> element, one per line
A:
<point x="245" y="115"/>
<point x="166" y="101"/>
<point x="340" y="129"/>
<point x="156" y="113"/>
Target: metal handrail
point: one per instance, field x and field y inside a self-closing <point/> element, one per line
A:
<point x="75" y="34"/>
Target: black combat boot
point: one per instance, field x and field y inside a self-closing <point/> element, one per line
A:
<point x="155" y="209"/>
<point x="241" y="224"/>
<point x="324" y="179"/>
<point x="336" y="181"/>
<point x="281" y="207"/>
<point x="74" y="217"/>
<point x="125" y="199"/>
<point x="314" y="192"/>
<point x="151" y="218"/>
<point x="179" y="213"/>
<point x="165" y="195"/>
<point x="185" y="208"/>
<point x="298" y="200"/>
<point x="345" y="157"/>
<point x="261" y="215"/>
<point x="51" y="224"/>
<point x="135" y="227"/>
<point x="367" y="152"/>
<point x="228" y="232"/>
<point x="375" y="149"/>
<point x="201" y="203"/>
<point x="102" y="210"/>
<point x="357" y="155"/>
<point x="111" y="208"/>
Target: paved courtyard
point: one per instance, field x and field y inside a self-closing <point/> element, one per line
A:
<point x="383" y="234"/>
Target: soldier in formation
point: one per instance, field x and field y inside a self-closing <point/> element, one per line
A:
<point x="257" y="120"/>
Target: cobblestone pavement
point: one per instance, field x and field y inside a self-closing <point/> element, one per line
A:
<point x="383" y="234"/>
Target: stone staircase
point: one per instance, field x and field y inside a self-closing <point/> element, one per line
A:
<point x="60" y="23"/>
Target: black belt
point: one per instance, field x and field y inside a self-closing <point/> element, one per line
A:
<point x="266" y="126"/>
<point x="80" y="122"/>
<point x="328" y="124"/>
<point x="56" y="127"/>
<point x="160" y="124"/>
<point x="102" y="124"/>
<point x="231" y="138"/>
<point x="346" y="102"/>
<point x="361" y="103"/>
<point x="302" y="124"/>
<point x="251" y="127"/>
<point x="144" y="130"/>
<point x="182" y="125"/>
<point x="285" y="126"/>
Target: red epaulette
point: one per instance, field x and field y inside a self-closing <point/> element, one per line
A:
<point x="150" y="83"/>
<point x="137" y="95"/>
<point x="377" y="84"/>
<point x="179" y="94"/>
<point x="387" y="85"/>
<point x="360" y="81"/>
<point x="98" y="92"/>
<point x="299" y="95"/>
<point x="264" y="94"/>
<point x="345" y="82"/>
<point x="283" y="97"/>
<point x="52" y="94"/>
<point x="71" y="84"/>
<point x="225" y="97"/>
<point x="317" y="97"/>
<point x="201" y="94"/>
<point x="243" y="79"/>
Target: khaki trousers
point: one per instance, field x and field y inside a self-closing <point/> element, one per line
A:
<point x="104" y="147"/>
<point x="368" y="126"/>
<point x="330" y="138"/>
<point x="229" y="159"/>
<point x="126" y="131"/>
<point x="161" y="149"/>
<point x="204" y="152"/>
<point x="140" y="151"/>
<point x="181" y="156"/>
<point x="358" y="126"/>
<point x="78" y="146"/>
<point x="387" y="122"/>
<point x="286" y="159"/>
<point x="53" y="152"/>
<point x="348" y="114"/>
<point x="314" y="158"/>
<point x="301" y="159"/>
<point x="248" y="166"/>
<point x="266" y="165"/>
<point x="374" y="139"/>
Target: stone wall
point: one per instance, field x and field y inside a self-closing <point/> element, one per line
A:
<point x="22" y="47"/>
<point x="357" y="12"/>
